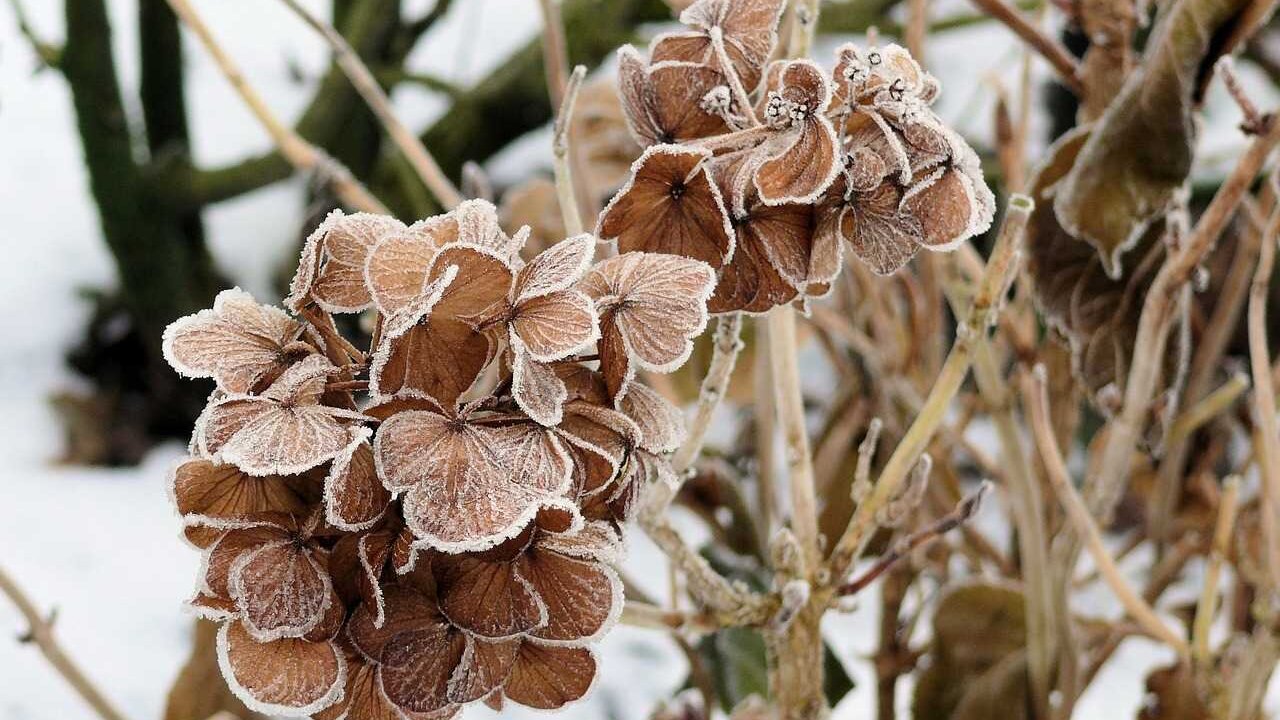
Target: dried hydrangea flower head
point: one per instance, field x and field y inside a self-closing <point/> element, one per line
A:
<point x="442" y="532"/>
<point x="794" y="161"/>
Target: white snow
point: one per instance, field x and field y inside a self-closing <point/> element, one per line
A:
<point x="102" y="545"/>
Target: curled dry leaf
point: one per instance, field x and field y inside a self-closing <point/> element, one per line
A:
<point x="237" y="343"/>
<point x="1135" y="163"/>
<point x="746" y="29"/>
<point x="651" y="307"/>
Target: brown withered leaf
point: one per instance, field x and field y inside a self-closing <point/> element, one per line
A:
<point x="331" y="270"/>
<point x="469" y="486"/>
<point x="284" y="431"/>
<point x="1172" y="695"/>
<point x="1096" y="313"/>
<point x="664" y="102"/>
<point x="661" y="423"/>
<point x="1136" y="161"/>
<point x="290" y="677"/>
<point x="975" y="660"/>
<point x="651" y="307"/>
<point x="670" y="205"/>
<point x="748" y="28"/>
<point x="237" y="343"/>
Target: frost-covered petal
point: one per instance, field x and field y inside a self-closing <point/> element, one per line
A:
<point x="461" y="493"/>
<point x="553" y="326"/>
<point x="485" y="597"/>
<point x="405" y="611"/>
<point x="801" y="168"/>
<point x="582" y="598"/>
<point x="670" y="205"/>
<point x="554" y="269"/>
<point x="263" y="437"/>
<point x="417" y="666"/>
<point x="479" y="291"/>
<point x="220" y="495"/>
<point x="879" y="232"/>
<point x="661" y="423"/>
<point x="289" y="677"/>
<point x="396" y="270"/>
<point x="676" y="92"/>
<point x="340" y="285"/>
<point x="281" y="590"/>
<point x="236" y="343"/>
<point x="440" y="359"/>
<point x="536" y="387"/>
<point x="485" y="666"/>
<point x="549" y="677"/>
<point x="354" y="495"/>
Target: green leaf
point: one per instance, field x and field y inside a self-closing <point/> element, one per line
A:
<point x="1135" y="163"/>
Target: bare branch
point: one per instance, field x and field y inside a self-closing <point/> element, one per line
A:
<point x="40" y="632"/>
<point x="301" y="154"/>
<point x="365" y="83"/>
<point x="1051" y="50"/>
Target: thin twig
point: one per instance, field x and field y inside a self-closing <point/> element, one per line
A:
<point x="1264" y="401"/>
<point x="783" y="349"/>
<point x="40" y="632"/>
<point x="967" y="508"/>
<point x="726" y="344"/>
<point x="367" y="85"/>
<point x="1207" y="606"/>
<point x="301" y="154"/>
<point x="1036" y="396"/>
<point x="1208" y="408"/>
<point x="647" y="615"/>
<point x="995" y="282"/>
<point x="1051" y="50"/>
<point x="560" y="148"/>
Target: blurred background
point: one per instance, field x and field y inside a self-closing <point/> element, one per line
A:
<point x="182" y="194"/>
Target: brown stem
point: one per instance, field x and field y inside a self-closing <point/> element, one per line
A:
<point x="40" y="632"/>
<point x="1051" y="50"/>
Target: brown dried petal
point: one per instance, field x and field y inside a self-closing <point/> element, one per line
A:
<point x="479" y="291"/>
<point x="552" y="327"/>
<point x="554" y="269"/>
<point x="440" y="359"/>
<point x="223" y="553"/>
<point x="485" y="667"/>
<point x="354" y="496"/>
<point x="676" y="92"/>
<point x="657" y="303"/>
<point x="462" y="494"/>
<point x="215" y="495"/>
<point x="288" y="677"/>
<point x="281" y="589"/>
<point x="407" y="611"/>
<point x="417" y="667"/>
<point x="880" y="233"/>
<point x="396" y="271"/>
<point x="489" y="599"/>
<point x="800" y="165"/>
<point x="536" y="387"/>
<point x="548" y="677"/>
<point x="661" y="423"/>
<point x="236" y="343"/>
<point x="670" y="206"/>
<point x="582" y="599"/>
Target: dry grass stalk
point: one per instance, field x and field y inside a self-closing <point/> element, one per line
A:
<point x="367" y="85"/>
<point x="301" y="154"/>
<point x="40" y="632"/>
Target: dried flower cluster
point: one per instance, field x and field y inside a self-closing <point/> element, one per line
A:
<point x="448" y="538"/>
<point x="762" y="171"/>
<point x="429" y="521"/>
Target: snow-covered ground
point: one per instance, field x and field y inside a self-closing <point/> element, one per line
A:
<point x="102" y="545"/>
